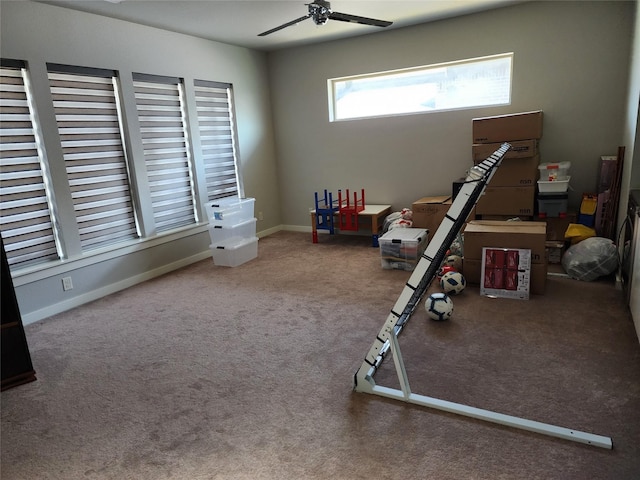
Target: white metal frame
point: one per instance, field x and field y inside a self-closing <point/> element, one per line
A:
<point x="421" y="278"/>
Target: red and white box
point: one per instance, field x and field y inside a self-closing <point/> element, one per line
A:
<point x="506" y="273"/>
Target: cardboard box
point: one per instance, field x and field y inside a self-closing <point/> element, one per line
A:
<point x="507" y="201"/>
<point x="472" y="271"/>
<point x="504" y="218"/>
<point x="428" y="212"/>
<point x="506" y="128"/>
<point x="519" y="149"/>
<point x="486" y="233"/>
<point x="515" y="172"/>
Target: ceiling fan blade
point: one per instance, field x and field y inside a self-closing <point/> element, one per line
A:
<point x="285" y="25"/>
<point x="343" y="17"/>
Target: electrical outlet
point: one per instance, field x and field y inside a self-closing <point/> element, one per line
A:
<point x="260" y="216"/>
<point x="67" y="284"/>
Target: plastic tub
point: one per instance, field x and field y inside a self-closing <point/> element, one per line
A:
<point x="230" y="211"/>
<point x="221" y="234"/>
<point x="552" y="172"/>
<point x="232" y="255"/>
<point x="553" y="186"/>
<point x="552" y="205"/>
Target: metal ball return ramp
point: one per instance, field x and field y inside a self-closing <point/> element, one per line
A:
<point x="422" y="276"/>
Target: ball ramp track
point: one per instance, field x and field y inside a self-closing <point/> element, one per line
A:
<point x="415" y="288"/>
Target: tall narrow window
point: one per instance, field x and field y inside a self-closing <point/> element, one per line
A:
<point x="25" y="213"/>
<point x="217" y="138"/>
<point x="87" y="112"/>
<point x="160" y="104"/>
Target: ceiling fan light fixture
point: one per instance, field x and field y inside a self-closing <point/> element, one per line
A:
<point x="320" y="12"/>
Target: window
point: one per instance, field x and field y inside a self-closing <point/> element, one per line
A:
<point x="86" y="106"/>
<point x="92" y="166"/>
<point x="477" y="82"/>
<point x="217" y="138"/>
<point x="25" y="213"/>
<point x="160" y="104"/>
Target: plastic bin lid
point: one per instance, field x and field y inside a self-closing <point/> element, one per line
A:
<point x="403" y="234"/>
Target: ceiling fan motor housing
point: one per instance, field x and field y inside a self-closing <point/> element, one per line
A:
<point x="320" y="12"/>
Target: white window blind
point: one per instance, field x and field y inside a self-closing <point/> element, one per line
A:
<point x="160" y="105"/>
<point x="217" y="138"/>
<point x="87" y="113"/>
<point x="25" y="213"/>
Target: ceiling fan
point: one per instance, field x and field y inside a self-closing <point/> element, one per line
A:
<point x="320" y="11"/>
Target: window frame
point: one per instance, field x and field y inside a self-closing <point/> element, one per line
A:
<point x="172" y="207"/>
<point x="333" y="86"/>
<point x="27" y="241"/>
<point x="94" y="153"/>
<point x="215" y="111"/>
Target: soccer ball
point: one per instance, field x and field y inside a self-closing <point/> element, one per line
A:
<point x="452" y="283"/>
<point x="454" y="261"/>
<point x="439" y="306"/>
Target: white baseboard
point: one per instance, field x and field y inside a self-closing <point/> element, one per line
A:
<point x="60" y="307"/>
<point x="79" y="300"/>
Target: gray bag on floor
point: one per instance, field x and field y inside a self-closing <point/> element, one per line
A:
<point x="590" y="259"/>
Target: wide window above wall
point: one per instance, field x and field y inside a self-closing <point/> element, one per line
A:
<point x="470" y="83"/>
<point x="26" y="221"/>
<point x="218" y="139"/>
<point x="161" y="114"/>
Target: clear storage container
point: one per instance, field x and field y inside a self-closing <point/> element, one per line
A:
<point x="235" y="254"/>
<point x="230" y="211"/>
<point x="550" y="172"/>
<point x="401" y="248"/>
<point x="553" y="186"/>
<point x="221" y="234"/>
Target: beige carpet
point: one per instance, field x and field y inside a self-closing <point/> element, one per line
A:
<point x="246" y="373"/>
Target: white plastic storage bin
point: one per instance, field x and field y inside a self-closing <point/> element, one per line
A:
<point x="232" y="255"/>
<point x="550" y="172"/>
<point x="230" y="211"/>
<point x="554" y="186"/>
<point x="401" y="248"/>
<point x="223" y="234"/>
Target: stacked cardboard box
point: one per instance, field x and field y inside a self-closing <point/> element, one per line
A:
<point x="512" y="190"/>
<point x="428" y="212"/>
<point x="479" y="234"/>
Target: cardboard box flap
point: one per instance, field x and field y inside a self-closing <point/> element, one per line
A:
<point x="506" y="226"/>
<point x="434" y="200"/>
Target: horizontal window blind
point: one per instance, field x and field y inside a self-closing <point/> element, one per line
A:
<point x="217" y="138"/>
<point x="87" y="113"/>
<point x="160" y="107"/>
<point x="25" y="213"/>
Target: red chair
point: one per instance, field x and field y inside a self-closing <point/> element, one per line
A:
<point x="348" y="212"/>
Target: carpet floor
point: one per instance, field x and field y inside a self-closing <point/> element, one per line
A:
<point x="246" y="373"/>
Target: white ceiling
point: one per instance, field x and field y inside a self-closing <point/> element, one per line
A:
<point x="239" y="22"/>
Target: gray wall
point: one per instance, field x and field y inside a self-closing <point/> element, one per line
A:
<point x="41" y="33"/>
<point x="568" y="62"/>
<point x="572" y="60"/>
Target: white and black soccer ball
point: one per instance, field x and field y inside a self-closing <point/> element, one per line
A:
<point x="439" y="306"/>
<point x="453" y="283"/>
